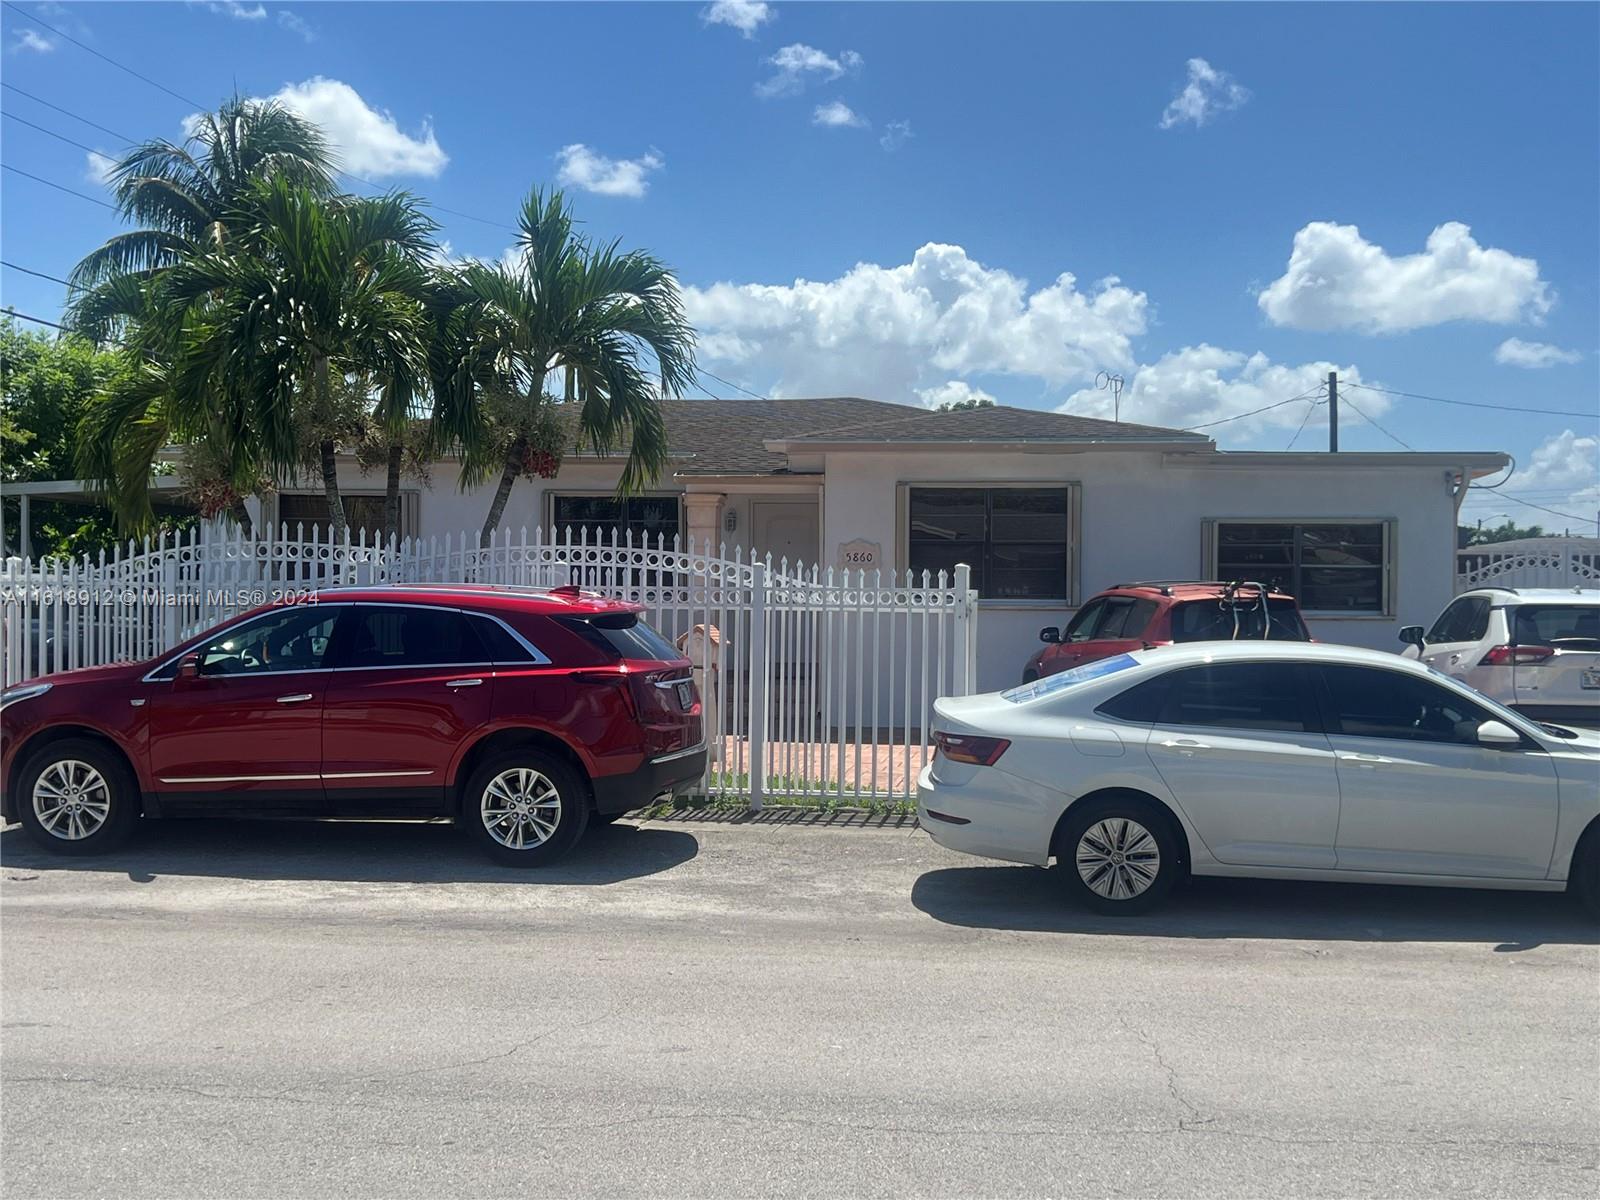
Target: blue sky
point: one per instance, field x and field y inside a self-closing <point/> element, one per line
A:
<point x="917" y="202"/>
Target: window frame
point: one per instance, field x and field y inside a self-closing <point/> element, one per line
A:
<point x="1389" y="568"/>
<point x="1072" y="591"/>
<point x="410" y="503"/>
<point x="552" y="496"/>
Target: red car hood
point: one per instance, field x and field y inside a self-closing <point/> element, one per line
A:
<point x="124" y="672"/>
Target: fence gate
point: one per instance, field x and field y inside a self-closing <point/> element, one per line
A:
<point x="1530" y="562"/>
<point x="818" y="685"/>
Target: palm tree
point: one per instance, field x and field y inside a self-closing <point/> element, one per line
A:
<point x="323" y="286"/>
<point x="189" y="199"/>
<point x="598" y="317"/>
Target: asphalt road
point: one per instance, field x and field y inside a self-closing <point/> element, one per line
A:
<point x="707" y="1009"/>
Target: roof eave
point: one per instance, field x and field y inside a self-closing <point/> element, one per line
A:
<point x="1024" y="445"/>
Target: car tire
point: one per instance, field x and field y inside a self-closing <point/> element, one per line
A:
<point x="1118" y="857"/>
<point x="525" y="808"/>
<point x="78" y="797"/>
<point x="1583" y="878"/>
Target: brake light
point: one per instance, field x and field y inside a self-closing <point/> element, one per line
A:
<point x="965" y="748"/>
<point x="1506" y="656"/>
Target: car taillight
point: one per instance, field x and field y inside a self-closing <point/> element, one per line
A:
<point x="663" y="694"/>
<point x="965" y="748"/>
<point x="1505" y="656"/>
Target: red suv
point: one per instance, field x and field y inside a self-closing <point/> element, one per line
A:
<point x="1141" y="616"/>
<point x="521" y="714"/>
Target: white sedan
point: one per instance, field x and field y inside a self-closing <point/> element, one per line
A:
<point x="1276" y="760"/>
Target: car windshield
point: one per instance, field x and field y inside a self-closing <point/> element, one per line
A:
<point x="1217" y="621"/>
<point x="1051" y="684"/>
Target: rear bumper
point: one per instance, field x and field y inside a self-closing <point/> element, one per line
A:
<point x="668" y="773"/>
<point x="981" y="819"/>
<point x="1587" y="715"/>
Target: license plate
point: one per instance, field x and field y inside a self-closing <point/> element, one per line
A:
<point x="686" y="694"/>
<point x="1590" y="679"/>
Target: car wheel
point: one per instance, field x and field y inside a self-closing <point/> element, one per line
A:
<point x="525" y="808"/>
<point x="78" y="797"/>
<point x="1118" y="857"/>
<point x="1583" y="878"/>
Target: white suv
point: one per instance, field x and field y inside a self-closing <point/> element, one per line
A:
<point x="1536" y="650"/>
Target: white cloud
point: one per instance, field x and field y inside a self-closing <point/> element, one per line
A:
<point x="957" y="391"/>
<point x="890" y="332"/>
<point x="837" y="114"/>
<point x="294" y="23"/>
<point x="1207" y="93"/>
<point x="579" y="166"/>
<point x="744" y="15"/>
<point x="238" y="11"/>
<point x="98" y="167"/>
<point x="27" y="39"/>
<point x="1336" y="279"/>
<point x="895" y="135"/>
<point x="798" y="64"/>
<point x="1514" y="352"/>
<point x="1562" y="473"/>
<point x="366" y="140"/>
<point x="1198" y="385"/>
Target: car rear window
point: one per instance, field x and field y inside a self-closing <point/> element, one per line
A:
<point x="1062" y="680"/>
<point x="1213" y="621"/>
<point x="623" y="635"/>
<point x="1573" y="625"/>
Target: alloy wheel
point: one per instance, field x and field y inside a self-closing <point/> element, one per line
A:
<point x="520" y="808"/>
<point x="1118" y="858"/>
<point x="71" y="800"/>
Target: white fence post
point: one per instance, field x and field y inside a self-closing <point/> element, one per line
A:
<point x="169" y="600"/>
<point x="966" y="650"/>
<point x="758" y="655"/>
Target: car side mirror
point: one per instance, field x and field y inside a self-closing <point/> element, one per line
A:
<point x="1498" y="735"/>
<point x="1411" y="635"/>
<point x="1050" y="633"/>
<point x="188" y="668"/>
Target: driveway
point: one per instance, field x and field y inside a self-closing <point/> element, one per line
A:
<point x="788" y="1007"/>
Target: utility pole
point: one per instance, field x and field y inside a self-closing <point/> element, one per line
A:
<point x="1106" y="381"/>
<point x="1333" y="412"/>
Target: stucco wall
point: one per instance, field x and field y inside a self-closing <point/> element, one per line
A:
<point x="1141" y="519"/>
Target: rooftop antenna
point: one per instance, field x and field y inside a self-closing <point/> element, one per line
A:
<point x="1106" y="381"/>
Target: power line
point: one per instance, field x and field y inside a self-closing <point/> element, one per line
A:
<point x="60" y="137"/>
<point x="21" y="316"/>
<point x="1555" y="512"/>
<point x="1311" y="407"/>
<point x="1397" y="441"/>
<point x="102" y="57"/>
<point x="1254" y="411"/>
<point x="66" y="112"/>
<point x="40" y="274"/>
<point x="1549" y="412"/>
<point x="729" y="383"/>
<point x="57" y="186"/>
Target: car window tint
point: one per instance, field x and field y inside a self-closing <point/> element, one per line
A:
<point x="1141" y="703"/>
<point x="1374" y="703"/>
<point x="408" y="637"/>
<point x="293" y="640"/>
<point x="1214" y="621"/>
<point x="1465" y="620"/>
<point x="1557" y="624"/>
<point x="623" y="635"/>
<point x="499" y="643"/>
<point x="1238" y="696"/>
<point x="1117" y="611"/>
<point x="1082" y="626"/>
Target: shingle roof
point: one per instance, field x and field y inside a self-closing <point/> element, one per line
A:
<point x="726" y="437"/>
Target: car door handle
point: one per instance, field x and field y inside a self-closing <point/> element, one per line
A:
<point x="463" y="683"/>
<point x="1185" y="746"/>
<point x="1369" y="761"/>
<point x="297" y="698"/>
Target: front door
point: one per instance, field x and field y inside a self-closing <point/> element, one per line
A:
<point x="1421" y="795"/>
<point x="413" y="684"/>
<point x="786" y="530"/>
<point x="245" y="731"/>
<point x="1240" y="747"/>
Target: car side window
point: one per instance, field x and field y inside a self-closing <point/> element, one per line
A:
<point x="500" y="645"/>
<point x="1374" y="703"/>
<point x="398" y="636"/>
<point x="295" y="639"/>
<point x="1126" y="617"/>
<point x="1141" y="704"/>
<point x="1239" y="696"/>
<point x="1083" y="625"/>
<point x="1464" y="620"/>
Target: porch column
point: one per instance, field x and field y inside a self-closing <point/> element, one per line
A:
<point x="25" y="526"/>
<point x="703" y="515"/>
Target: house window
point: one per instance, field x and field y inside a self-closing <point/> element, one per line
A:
<point x="361" y="512"/>
<point x="650" y="520"/>
<point x="1016" y="539"/>
<point x="1328" y="566"/>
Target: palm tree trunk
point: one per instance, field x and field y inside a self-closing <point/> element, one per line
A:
<point x="337" y="524"/>
<point x="241" y="516"/>
<point x="391" y="495"/>
<point x="502" y="494"/>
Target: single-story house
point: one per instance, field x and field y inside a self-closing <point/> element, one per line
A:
<point x="1047" y="508"/>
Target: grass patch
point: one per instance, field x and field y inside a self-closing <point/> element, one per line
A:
<point x="782" y="792"/>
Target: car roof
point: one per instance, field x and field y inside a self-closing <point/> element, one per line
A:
<point x="1190" y="653"/>
<point x="497" y="598"/>
<point x="1572" y="595"/>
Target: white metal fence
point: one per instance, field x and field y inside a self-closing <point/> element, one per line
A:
<point x="819" y="684"/>
<point x="1530" y="562"/>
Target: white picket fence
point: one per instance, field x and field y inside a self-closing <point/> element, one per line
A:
<point x="819" y="684"/>
<point x="1530" y="562"/>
